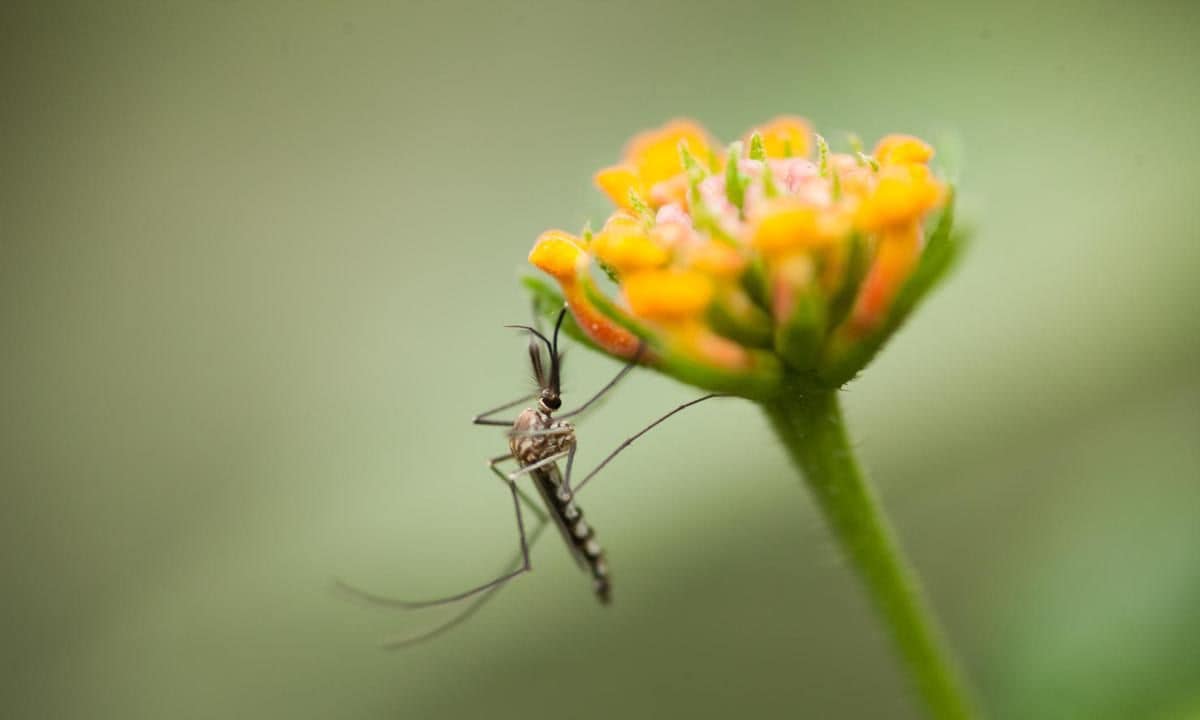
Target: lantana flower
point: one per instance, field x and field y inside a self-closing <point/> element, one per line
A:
<point x="772" y="262"/>
<point x="773" y="269"/>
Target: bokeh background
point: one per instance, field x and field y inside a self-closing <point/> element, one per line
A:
<point x="255" y="259"/>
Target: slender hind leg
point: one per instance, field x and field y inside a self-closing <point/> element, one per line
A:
<point x="471" y="609"/>
<point x="483" y="418"/>
<point x="517" y="497"/>
<point x="526" y="469"/>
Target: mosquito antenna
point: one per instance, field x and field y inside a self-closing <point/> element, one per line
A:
<point x="562" y="315"/>
<point x="555" y="358"/>
<point x="535" y="355"/>
<point x="535" y="358"/>
<point x="535" y="331"/>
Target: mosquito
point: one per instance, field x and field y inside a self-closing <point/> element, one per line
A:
<point x="538" y="441"/>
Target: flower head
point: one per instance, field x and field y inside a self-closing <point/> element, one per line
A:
<point x="756" y="266"/>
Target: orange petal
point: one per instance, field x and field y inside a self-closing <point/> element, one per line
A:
<point x="894" y="262"/>
<point x="610" y="336"/>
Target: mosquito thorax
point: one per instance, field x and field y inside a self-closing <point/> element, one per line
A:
<point x="527" y="446"/>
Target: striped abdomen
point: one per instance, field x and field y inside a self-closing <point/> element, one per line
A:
<point x="576" y="531"/>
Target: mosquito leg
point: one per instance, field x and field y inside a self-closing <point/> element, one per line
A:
<point x="637" y="355"/>
<point x="530" y="504"/>
<point x="565" y="493"/>
<point x="542" y="432"/>
<point x="483" y="418"/>
<point x="628" y="441"/>
<point x="534" y="466"/>
<point x="520" y="561"/>
<point x="525" y="566"/>
<point x="468" y="611"/>
<point x="517" y="495"/>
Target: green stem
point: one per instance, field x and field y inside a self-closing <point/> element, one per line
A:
<point x="812" y="429"/>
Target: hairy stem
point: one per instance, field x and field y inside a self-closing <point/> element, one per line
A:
<point x="812" y="429"/>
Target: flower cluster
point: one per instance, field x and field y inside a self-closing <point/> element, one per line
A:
<point x="745" y="268"/>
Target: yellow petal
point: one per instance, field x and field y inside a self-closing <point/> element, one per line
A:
<point x="669" y="295"/>
<point x="655" y="153"/>
<point x="628" y="251"/>
<point x="791" y="225"/>
<point x="616" y="182"/>
<point x="902" y="150"/>
<point x="901" y="196"/>
<point x="558" y="254"/>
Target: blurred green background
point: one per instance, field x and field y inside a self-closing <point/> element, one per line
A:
<point x="255" y="260"/>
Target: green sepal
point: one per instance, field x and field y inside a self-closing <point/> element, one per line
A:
<point x="704" y="221"/>
<point x="703" y="218"/>
<point x="843" y="298"/>
<point x="847" y="356"/>
<point x="609" y="270"/>
<point x="695" y="171"/>
<point x="641" y="208"/>
<point x="746" y="325"/>
<point x="822" y="156"/>
<point x="735" y="182"/>
<point x="855" y="142"/>
<point x="763" y="382"/>
<point x="801" y="335"/>
<point x="770" y="189"/>
<point x="758" y="151"/>
<point x="754" y="282"/>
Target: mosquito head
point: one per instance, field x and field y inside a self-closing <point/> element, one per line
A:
<point x="547" y="372"/>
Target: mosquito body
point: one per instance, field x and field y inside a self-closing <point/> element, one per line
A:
<point x="536" y="436"/>
<point x="538" y="441"/>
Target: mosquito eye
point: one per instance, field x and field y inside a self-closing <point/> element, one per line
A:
<point x="553" y="403"/>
